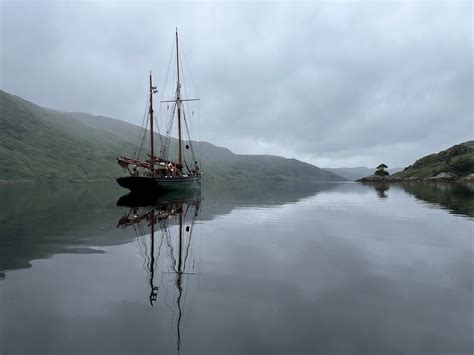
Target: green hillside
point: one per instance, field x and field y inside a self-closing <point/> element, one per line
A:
<point x="457" y="161"/>
<point x="39" y="144"/>
<point x="219" y="162"/>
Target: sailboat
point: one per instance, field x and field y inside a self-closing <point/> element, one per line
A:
<point x="159" y="172"/>
<point x="169" y="209"/>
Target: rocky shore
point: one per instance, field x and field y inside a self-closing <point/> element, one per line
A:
<point x="441" y="177"/>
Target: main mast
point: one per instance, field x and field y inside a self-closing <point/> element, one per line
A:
<point x="152" y="154"/>
<point x="178" y="104"/>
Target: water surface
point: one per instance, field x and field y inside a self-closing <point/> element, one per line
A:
<point x="240" y="269"/>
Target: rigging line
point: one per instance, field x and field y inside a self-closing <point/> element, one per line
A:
<point x="170" y="246"/>
<point x="185" y="297"/>
<point x="200" y="248"/>
<point x="199" y="131"/>
<point x="142" y="252"/>
<point x="163" y="238"/>
<point x="189" y="69"/>
<point x="199" y="104"/>
<point x="186" y="104"/>
<point x="172" y="257"/>
<point x="193" y="220"/>
<point x="165" y="147"/>
<point x="148" y="260"/>
<point x="167" y="72"/>
<point x="188" y="246"/>
<point x="189" y="139"/>
<point x="187" y="128"/>
<point x="164" y="85"/>
<point x="183" y="81"/>
<point x="141" y="126"/>
<point x="159" y="252"/>
<point x="185" y="163"/>
<point x="197" y="95"/>
<point x="189" y="135"/>
<point x="137" y="241"/>
<point x="189" y="239"/>
<point x="173" y="111"/>
<point x="193" y="293"/>
<point x="140" y="249"/>
<point x="158" y="129"/>
<point x="185" y="314"/>
<point x="144" y="243"/>
<point x="144" y="263"/>
<point x="171" y="121"/>
<point x="141" y="138"/>
<point x="155" y="119"/>
<point x="166" y="296"/>
<point x="140" y="226"/>
<point x="143" y="141"/>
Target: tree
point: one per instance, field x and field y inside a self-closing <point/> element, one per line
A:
<point x="380" y="170"/>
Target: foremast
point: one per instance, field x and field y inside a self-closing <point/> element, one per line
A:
<point x="178" y="105"/>
<point x="153" y="90"/>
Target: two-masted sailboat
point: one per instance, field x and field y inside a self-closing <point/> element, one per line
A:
<point x="159" y="172"/>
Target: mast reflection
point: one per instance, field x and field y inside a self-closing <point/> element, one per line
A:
<point x="167" y="214"/>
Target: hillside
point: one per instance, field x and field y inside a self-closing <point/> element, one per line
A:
<point x="39" y="144"/>
<point x="457" y="161"/>
<point x="219" y="162"/>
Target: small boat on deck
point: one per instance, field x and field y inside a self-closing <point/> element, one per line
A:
<point x="157" y="172"/>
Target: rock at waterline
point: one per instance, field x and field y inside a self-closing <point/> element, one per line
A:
<point x="377" y="178"/>
<point x="444" y="176"/>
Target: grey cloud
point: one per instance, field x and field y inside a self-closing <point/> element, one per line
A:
<point x="330" y="83"/>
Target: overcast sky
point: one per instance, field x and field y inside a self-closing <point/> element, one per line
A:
<point x="331" y="83"/>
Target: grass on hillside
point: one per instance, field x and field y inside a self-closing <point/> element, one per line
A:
<point x="38" y="144"/>
<point x="457" y="160"/>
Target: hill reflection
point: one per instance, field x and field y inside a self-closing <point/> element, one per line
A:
<point x="456" y="198"/>
<point x="41" y="220"/>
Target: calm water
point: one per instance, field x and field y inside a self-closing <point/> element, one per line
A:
<point x="241" y="269"/>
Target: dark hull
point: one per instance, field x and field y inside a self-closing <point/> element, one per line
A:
<point x="144" y="184"/>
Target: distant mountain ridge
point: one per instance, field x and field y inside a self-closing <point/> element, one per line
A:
<point x="356" y="173"/>
<point x="40" y="144"/>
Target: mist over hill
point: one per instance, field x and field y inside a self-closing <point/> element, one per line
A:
<point x="40" y="144"/>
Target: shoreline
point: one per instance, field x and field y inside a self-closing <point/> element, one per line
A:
<point x="392" y="179"/>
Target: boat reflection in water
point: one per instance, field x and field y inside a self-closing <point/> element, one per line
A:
<point x="168" y="250"/>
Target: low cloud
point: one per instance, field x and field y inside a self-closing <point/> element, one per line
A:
<point x="334" y="84"/>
